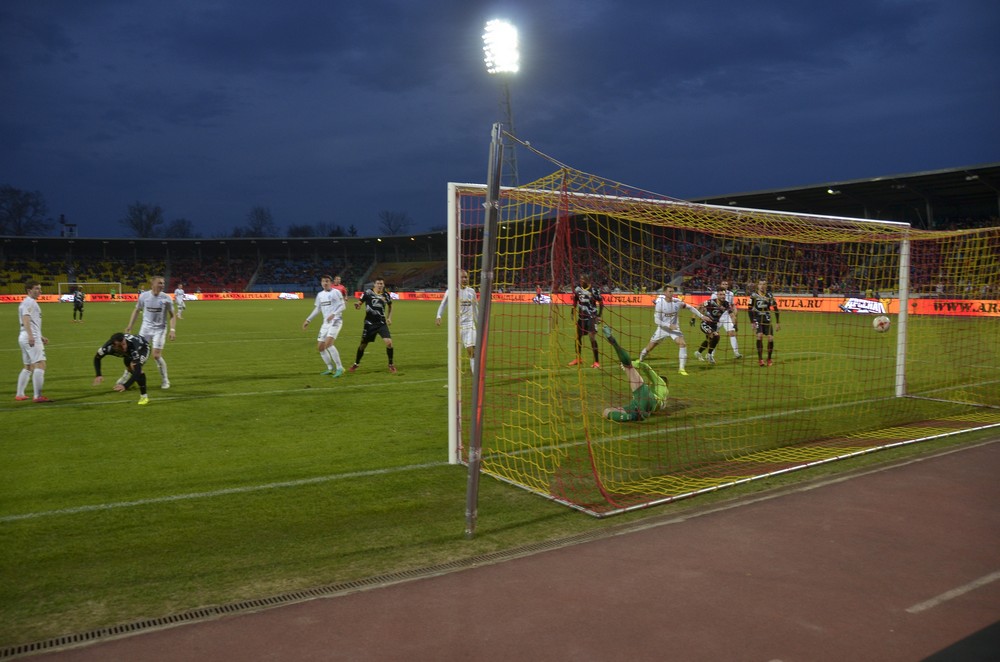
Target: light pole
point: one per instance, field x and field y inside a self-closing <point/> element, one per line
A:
<point x="500" y="48"/>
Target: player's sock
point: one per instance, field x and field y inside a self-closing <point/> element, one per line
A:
<point x="162" y="365"/>
<point x="472" y="365"/>
<point x="388" y="353"/>
<point x="735" y="345"/>
<point x="623" y="356"/>
<point x="38" y="381"/>
<point x="713" y="344"/>
<point x="140" y="379"/>
<point x="682" y="354"/>
<point x="770" y="349"/>
<point x="357" y="357"/>
<point x="335" y="355"/>
<point x="22" y="380"/>
<point x="703" y="346"/>
<point x="760" y="350"/>
<point x="597" y="354"/>
<point x="642" y="354"/>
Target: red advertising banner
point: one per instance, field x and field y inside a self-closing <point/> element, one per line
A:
<point x="948" y="307"/>
<point x="132" y="297"/>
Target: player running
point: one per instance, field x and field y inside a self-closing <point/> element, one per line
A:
<point x="714" y="309"/>
<point x="727" y="322"/>
<point x="665" y="313"/>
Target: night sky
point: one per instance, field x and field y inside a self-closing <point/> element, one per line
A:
<point x="332" y="112"/>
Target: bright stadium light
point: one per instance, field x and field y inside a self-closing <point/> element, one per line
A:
<point x="500" y="48"/>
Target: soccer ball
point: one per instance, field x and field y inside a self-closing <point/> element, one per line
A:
<point x="881" y="323"/>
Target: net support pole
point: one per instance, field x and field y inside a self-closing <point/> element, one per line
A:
<point x="902" y="321"/>
<point x="494" y="171"/>
<point x="454" y="420"/>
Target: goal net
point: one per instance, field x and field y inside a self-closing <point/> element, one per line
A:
<point x="100" y="287"/>
<point x="828" y="386"/>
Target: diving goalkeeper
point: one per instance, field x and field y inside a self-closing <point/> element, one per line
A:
<point x="646" y="397"/>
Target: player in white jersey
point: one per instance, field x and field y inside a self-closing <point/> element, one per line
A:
<point x="32" y="343"/>
<point x="179" y="303"/>
<point x="728" y="321"/>
<point x="666" y="309"/>
<point x="468" y="310"/>
<point x="157" y="315"/>
<point x="330" y="307"/>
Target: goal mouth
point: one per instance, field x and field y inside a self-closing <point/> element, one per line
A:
<point x="803" y="382"/>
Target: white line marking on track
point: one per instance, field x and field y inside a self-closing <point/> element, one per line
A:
<point x="216" y="493"/>
<point x="954" y="593"/>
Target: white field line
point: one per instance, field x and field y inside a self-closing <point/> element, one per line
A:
<point x="954" y="593"/>
<point x="217" y="493"/>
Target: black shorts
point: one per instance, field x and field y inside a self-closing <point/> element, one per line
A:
<point x="586" y="325"/>
<point x="764" y="329"/>
<point x="709" y="328"/>
<point x="369" y="332"/>
<point x="77" y="306"/>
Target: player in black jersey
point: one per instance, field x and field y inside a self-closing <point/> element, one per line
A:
<point x="587" y="309"/>
<point x="134" y="350"/>
<point x="714" y="310"/>
<point x="762" y="305"/>
<point x="78" y="298"/>
<point x="378" y="317"/>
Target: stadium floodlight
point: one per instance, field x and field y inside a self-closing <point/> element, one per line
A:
<point x="500" y="48"/>
<point x="503" y="58"/>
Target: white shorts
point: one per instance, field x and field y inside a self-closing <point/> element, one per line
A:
<point x="31" y="355"/>
<point x="331" y="330"/>
<point x="663" y="332"/>
<point x="468" y="335"/>
<point x="156" y="338"/>
<point x="726" y="323"/>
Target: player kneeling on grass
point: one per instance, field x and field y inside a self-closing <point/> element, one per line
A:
<point x="646" y="397"/>
<point x="134" y="350"/>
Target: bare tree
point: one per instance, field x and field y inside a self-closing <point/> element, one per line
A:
<point x="23" y="213"/>
<point x="179" y="228"/>
<point x="143" y="219"/>
<point x="394" y="222"/>
<point x="260" y="223"/>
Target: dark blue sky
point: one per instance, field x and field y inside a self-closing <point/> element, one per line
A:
<point x="333" y="112"/>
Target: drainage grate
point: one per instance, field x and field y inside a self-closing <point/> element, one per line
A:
<point x="205" y="613"/>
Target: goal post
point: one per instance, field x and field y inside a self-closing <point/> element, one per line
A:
<point x="823" y="385"/>
<point x="94" y="287"/>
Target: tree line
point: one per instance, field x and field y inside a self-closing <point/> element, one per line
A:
<point x="25" y="213"/>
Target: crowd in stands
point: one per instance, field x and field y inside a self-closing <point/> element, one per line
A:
<point x="616" y="261"/>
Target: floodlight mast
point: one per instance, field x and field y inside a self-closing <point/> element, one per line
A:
<point x="503" y="59"/>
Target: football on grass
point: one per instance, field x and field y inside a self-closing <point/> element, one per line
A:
<point x="881" y="323"/>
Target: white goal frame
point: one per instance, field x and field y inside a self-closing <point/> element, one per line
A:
<point x="70" y="285"/>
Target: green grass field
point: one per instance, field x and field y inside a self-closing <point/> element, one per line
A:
<point x="253" y="475"/>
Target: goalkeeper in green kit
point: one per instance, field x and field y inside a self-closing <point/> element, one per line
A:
<point x="649" y="390"/>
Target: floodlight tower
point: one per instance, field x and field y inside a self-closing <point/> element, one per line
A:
<point x="500" y="48"/>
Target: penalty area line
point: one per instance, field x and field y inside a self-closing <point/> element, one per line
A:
<point x="954" y="593"/>
<point x="217" y="493"/>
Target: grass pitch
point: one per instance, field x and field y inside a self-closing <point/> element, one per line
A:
<point x="253" y="475"/>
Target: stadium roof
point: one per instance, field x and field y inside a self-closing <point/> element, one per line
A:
<point x="923" y="199"/>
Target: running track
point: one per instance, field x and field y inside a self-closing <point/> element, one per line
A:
<point x="896" y="563"/>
